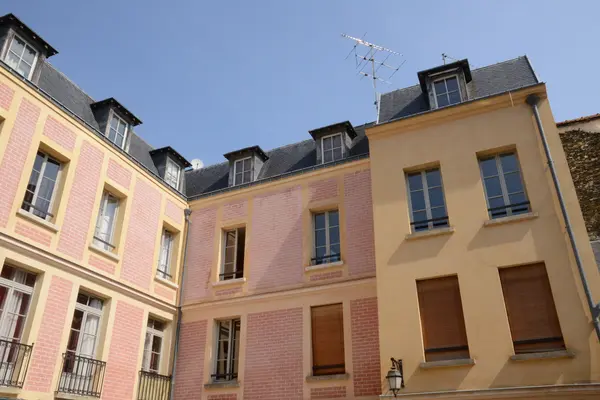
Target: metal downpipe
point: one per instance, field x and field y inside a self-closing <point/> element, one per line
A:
<point x="533" y="101"/>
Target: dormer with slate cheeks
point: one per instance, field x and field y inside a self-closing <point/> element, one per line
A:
<point x="245" y="165"/>
<point x="170" y="165"/>
<point x="115" y="121"/>
<point x="333" y="141"/>
<point x="22" y="49"/>
<point x="446" y="84"/>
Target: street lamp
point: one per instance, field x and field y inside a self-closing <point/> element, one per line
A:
<point x="395" y="376"/>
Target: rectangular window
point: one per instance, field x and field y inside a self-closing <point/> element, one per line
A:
<point x="504" y="189"/>
<point x="42" y="186"/>
<point x="233" y="254"/>
<point x="172" y="173"/>
<point x="332" y="148"/>
<point x="153" y="346"/>
<point x="83" y="337"/>
<point x="166" y="251"/>
<point x="21" y="57"/>
<point x="328" y="339"/>
<point x="107" y="219"/>
<point x="228" y="350"/>
<point x="442" y="320"/>
<point x="447" y="91"/>
<point x="327" y="237"/>
<point x="426" y="200"/>
<point x="242" y="171"/>
<point x="530" y="307"/>
<point x="16" y="289"/>
<point x="117" y="131"/>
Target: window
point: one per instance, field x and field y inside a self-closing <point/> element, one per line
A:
<point x="107" y="219"/>
<point x="426" y="200"/>
<point x="41" y="189"/>
<point x="503" y="185"/>
<point x="172" y="173"/>
<point x="117" y="131"/>
<point x="442" y="320"/>
<point x="233" y="257"/>
<point x="166" y="251"/>
<point x="16" y="289"/>
<point x="242" y="171"/>
<point x="328" y="339"/>
<point x="327" y="237"/>
<point x="21" y="57"/>
<point x="153" y="346"/>
<point x="228" y="350"/>
<point x="530" y="307"/>
<point x="332" y="148"/>
<point x="447" y="91"/>
<point x="84" y="327"/>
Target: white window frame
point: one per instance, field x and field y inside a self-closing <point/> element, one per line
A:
<point x="153" y="332"/>
<point x="435" y="95"/>
<point x="169" y="177"/>
<point x="165" y="273"/>
<point x="327" y="238"/>
<point x="49" y="213"/>
<point x="425" y="189"/>
<point x="235" y="170"/>
<point x="103" y="203"/>
<point x="35" y="58"/>
<point x="230" y="352"/>
<point x="13" y="286"/>
<point x="88" y="310"/>
<point x="113" y="115"/>
<point x="332" y="148"/>
<point x="235" y="251"/>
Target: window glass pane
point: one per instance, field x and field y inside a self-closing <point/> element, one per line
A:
<point x="496" y="202"/>
<point x="247" y="164"/>
<point x="29" y="55"/>
<point x="121" y="128"/>
<point x="440" y="87"/>
<point x="334" y="235"/>
<point x="433" y="178"/>
<point x="39" y="160"/>
<point x="417" y="200"/>
<point x="82" y="299"/>
<point x="419" y="216"/>
<point x="320" y="237"/>
<point x="230" y="238"/>
<point x="320" y="221"/>
<point x="337" y="141"/>
<point x="119" y="140"/>
<point x="240" y="250"/>
<point x="12" y="60"/>
<point x="333" y="218"/>
<point x="17" y="46"/>
<point x="442" y="100"/>
<point x="229" y="254"/>
<point x="320" y="252"/>
<point x="337" y="153"/>
<point x="335" y="249"/>
<point x="436" y="197"/>
<point x="513" y="182"/>
<point x="52" y="168"/>
<point x="488" y="167"/>
<point x="247" y="177"/>
<point x="46" y="189"/>
<point x="517" y="198"/>
<point x="328" y="156"/>
<point x="492" y="186"/>
<point x="509" y="162"/>
<point x="156" y="343"/>
<point x="327" y="143"/>
<point x="95" y="303"/>
<point x="438" y="212"/>
<point x="114" y="123"/>
<point x="452" y="84"/>
<point x="454" y="97"/>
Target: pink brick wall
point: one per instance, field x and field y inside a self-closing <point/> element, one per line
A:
<point x="223" y="396"/>
<point x="200" y="253"/>
<point x="122" y="363"/>
<point x="59" y="133"/>
<point x="325" y="276"/>
<point x="323" y="190"/>
<point x="118" y="173"/>
<point x="360" y="246"/>
<point x="168" y="294"/>
<point x="275" y="256"/>
<point x="80" y="206"/>
<point x="6" y="96"/>
<point x="332" y="392"/>
<point x="138" y="258"/>
<point x="235" y="210"/>
<point x="365" y="347"/>
<point x="15" y="156"/>
<point x="273" y="368"/>
<point x="46" y="351"/>
<point x="189" y="380"/>
<point x="102" y="264"/>
<point x="228" y="292"/>
<point x="174" y="212"/>
<point x="32" y="233"/>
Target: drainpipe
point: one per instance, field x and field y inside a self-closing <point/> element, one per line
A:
<point x="533" y="101"/>
<point x="188" y="223"/>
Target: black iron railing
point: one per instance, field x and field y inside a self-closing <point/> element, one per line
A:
<point x="509" y="209"/>
<point x="104" y="242"/>
<point x="231" y="275"/>
<point x="223" y="377"/>
<point x="44" y="213"/>
<point x="14" y="361"/>
<point x="81" y="376"/>
<point x="153" y="386"/>
<point x="432" y="223"/>
<point x="331" y="258"/>
<point x="163" y="273"/>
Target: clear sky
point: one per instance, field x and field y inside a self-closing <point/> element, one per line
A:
<point x="209" y="77"/>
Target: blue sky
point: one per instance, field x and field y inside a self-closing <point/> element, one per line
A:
<point x="211" y="77"/>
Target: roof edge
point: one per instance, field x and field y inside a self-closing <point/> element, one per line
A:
<point x="578" y="120"/>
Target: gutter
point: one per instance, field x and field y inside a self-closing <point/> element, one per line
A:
<point x="533" y="101"/>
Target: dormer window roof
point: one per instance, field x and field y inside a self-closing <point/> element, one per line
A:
<point x="21" y="57"/>
<point x="333" y="141"/>
<point x="446" y="84"/>
<point x="245" y="164"/>
<point x="169" y="164"/>
<point x="114" y="120"/>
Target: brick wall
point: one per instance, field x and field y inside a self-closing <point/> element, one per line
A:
<point x="15" y="156"/>
<point x="142" y="231"/>
<point x="47" y="351"/>
<point x="365" y="347"/>
<point x="200" y="253"/>
<point x="102" y="264"/>
<point x="273" y="369"/>
<point x="59" y="133"/>
<point x="360" y="246"/>
<point x="32" y="233"/>
<point x="80" y="206"/>
<point x="275" y="256"/>
<point x="168" y="294"/>
<point x="322" y="190"/>
<point x="174" y="212"/>
<point x="189" y="380"/>
<point x="332" y="392"/>
<point x="6" y="96"/>
<point x="235" y="210"/>
<point x="118" y="173"/>
<point x="325" y="276"/>
<point x="122" y="363"/>
<point x="223" y="396"/>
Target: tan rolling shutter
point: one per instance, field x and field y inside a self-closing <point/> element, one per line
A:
<point x="328" y="339"/>
<point x="530" y="307"/>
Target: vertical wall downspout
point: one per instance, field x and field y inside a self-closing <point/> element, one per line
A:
<point x="533" y="101"/>
<point x="188" y="223"/>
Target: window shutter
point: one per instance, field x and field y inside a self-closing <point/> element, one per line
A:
<point x="328" y="340"/>
<point x="442" y="319"/>
<point x="530" y="308"/>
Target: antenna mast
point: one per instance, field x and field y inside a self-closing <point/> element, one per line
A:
<point x="376" y="63"/>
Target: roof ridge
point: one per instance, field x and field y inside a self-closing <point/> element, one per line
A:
<point x="69" y="79"/>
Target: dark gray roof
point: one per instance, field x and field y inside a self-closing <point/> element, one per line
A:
<point x="487" y="81"/>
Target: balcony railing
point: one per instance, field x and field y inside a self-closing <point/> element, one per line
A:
<point x="427" y="224"/>
<point x="153" y="386"/>
<point x="509" y="209"/>
<point x="331" y="258"/>
<point x="14" y="361"/>
<point x="81" y="376"/>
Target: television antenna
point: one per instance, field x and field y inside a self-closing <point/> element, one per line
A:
<point x="375" y="60"/>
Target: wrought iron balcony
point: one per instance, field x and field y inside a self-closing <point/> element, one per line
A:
<point x="509" y="209"/>
<point x="153" y="386"/>
<point x="81" y="376"/>
<point x="331" y="258"/>
<point x="14" y="361"/>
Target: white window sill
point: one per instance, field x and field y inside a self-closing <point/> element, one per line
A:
<point x="463" y="362"/>
<point x="510" y="219"/>
<point x="166" y="282"/>
<point x="114" y="257"/>
<point x="228" y="282"/>
<point x="447" y="230"/>
<point x="546" y="355"/>
<point x="222" y="385"/>
<point x="37" y="220"/>
<point x="335" y="377"/>
<point x="320" y="267"/>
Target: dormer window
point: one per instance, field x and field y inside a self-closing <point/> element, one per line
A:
<point x="21" y="57"/>
<point x="447" y="84"/>
<point x="447" y="91"/>
<point x="332" y="148"/>
<point x="117" y="130"/>
<point x="245" y="165"/>
<point x="172" y="173"/>
<point x="242" y="170"/>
